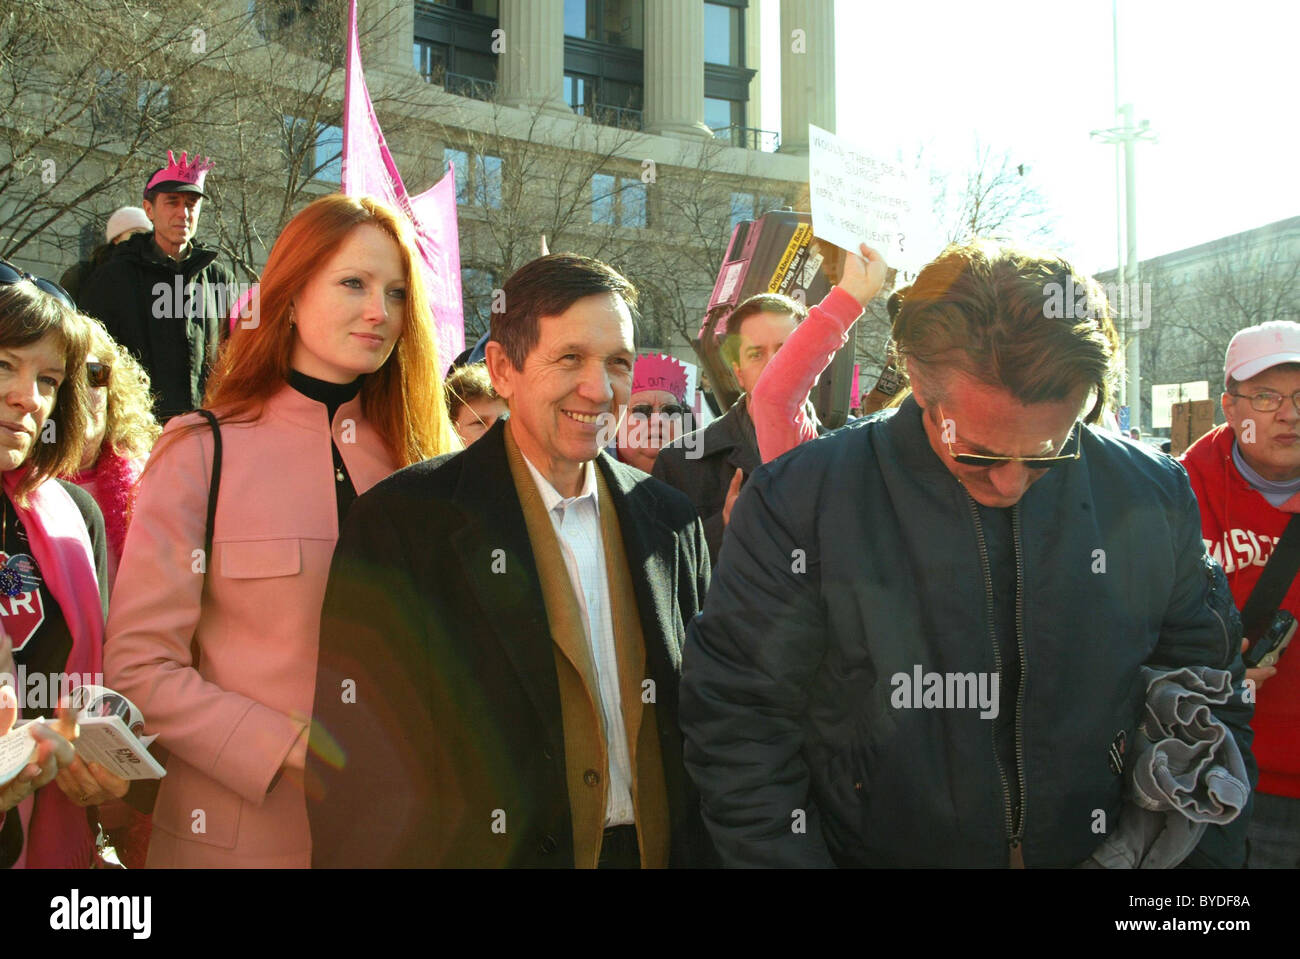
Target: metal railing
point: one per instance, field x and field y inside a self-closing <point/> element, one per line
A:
<point x="476" y="88"/>
<point x="625" y="118"/>
<point x="750" y="138"/>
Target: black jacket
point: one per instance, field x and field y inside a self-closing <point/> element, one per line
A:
<point x="858" y="557"/>
<point x="173" y="330"/>
<point x="437" y="710"/>
<point x="701" y="466"/>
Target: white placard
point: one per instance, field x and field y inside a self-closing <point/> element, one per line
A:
<point x="1165" y="395"/>
<point x="858" y="197"/>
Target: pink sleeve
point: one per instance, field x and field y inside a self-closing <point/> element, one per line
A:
<point x="156" y="606"/>
<point x="777" y="404"/>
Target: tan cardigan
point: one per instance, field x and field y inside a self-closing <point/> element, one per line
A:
<point x="584" y="735"/>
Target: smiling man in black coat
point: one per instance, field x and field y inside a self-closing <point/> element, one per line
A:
<point x="502" y="632"/>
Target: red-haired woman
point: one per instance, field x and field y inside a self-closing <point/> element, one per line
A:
<point x="332" y="386"/>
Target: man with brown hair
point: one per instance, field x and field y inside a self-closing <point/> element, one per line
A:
<point x="710" y="467"/>
<point x="924" y="645"/>
<point x="502" y="632"/>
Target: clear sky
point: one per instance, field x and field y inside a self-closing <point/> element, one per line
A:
<point x="1217" y="81"/>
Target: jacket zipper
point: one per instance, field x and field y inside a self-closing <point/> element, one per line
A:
<point x="1017" y="854"/>
<point x="1012" y="837"/>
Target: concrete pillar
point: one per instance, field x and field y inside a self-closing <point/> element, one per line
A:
<point x="807" y="70"/>
<point x="754" y="61"/>
<point x="387" y="29"/>
<point x="530" y="62"/>
<point x="674" y="68"/>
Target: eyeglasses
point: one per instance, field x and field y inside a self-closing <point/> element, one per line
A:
<point x="1033" y="462"/>
<point x="645" y="410"/>
<point x="1268" y="401"/>
<point x="98" y="373"/>
<point x="11" y="274"/>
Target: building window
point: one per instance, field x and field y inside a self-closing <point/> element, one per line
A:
<point x="328" y="154"/>
<point x="476" y="289"/>
<point x="478" y="182"/>
<point x="609" y="102"/>
<point x="127" y="104"/>
<point x="453" y="46"/>
<point x="431" y="61"/>
<point x="618" y="200"/>
<point x="484" y="8"/>
<point x="724" y="41"/>
<point x="747" y="206"/>
<point x="721" y="114"/>
<point x="318" y="149"/>
<point x="580" y="92"/>
<point x="619" y="23"/>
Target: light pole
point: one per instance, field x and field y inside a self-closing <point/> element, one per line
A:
<point x="1126" y="135"/>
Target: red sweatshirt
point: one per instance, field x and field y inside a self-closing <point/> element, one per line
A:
<point x="1240" y="529"/>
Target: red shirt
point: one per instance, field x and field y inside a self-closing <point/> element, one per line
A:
<point x="1240" y="529"/>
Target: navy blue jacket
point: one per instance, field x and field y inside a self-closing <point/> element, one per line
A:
<point x="856" y="558"/>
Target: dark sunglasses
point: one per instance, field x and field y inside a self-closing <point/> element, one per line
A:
<point x="645" y="410"/>
<point x="1033" y="462"/>
<point x="98" y="373"/>
<point x="11" y="274"/>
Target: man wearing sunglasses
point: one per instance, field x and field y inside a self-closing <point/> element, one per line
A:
<point x="1246" y="475"/>
<point x="163" y="295"/>
<point x="924" y="643"/>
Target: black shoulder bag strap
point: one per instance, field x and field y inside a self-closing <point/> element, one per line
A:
<point x="1271" y="589"/>
<point x="214" y="487"/>
<point x="143" y="793"/>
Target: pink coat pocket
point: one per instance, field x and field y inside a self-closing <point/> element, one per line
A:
<point x="260" y="558"/>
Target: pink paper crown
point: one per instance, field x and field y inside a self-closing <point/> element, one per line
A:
<point x="182" y="171"/>
<point x="658" y="371"/>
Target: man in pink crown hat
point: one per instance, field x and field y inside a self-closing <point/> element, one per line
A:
<point x="656" y="409"/>
<point x="162" y="295"/>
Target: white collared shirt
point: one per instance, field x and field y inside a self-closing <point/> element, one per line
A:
<point x="577" y="526"/>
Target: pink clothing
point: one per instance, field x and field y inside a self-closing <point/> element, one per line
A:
<point x="232" y="721"/>
<point x="776" y="404"/>
<point x="58" y="836"/>
<point x="111" y="481"/>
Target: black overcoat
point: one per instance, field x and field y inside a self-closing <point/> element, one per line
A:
<point x="437" y="737"/>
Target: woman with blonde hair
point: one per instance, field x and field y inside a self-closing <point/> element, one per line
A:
<point x="332" y="386"/>
<point x="120" y="432"/>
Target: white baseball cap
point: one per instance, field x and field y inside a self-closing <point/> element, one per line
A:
<point x="1259" y="348"/>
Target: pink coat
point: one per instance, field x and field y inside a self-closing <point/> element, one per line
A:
<point x="231" y="722"/>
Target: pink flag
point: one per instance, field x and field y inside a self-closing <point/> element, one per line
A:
<point x="368" y="169"/>
<point x="855" y="397"/>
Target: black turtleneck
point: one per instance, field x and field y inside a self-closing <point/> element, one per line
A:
<point x="332" y="395"/>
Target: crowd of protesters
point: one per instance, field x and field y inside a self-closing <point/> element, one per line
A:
<point x="519" y="615"/>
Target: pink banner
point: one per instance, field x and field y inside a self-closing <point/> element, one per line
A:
<point x="855" y="399"/>
<point x="368" y="169"/>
